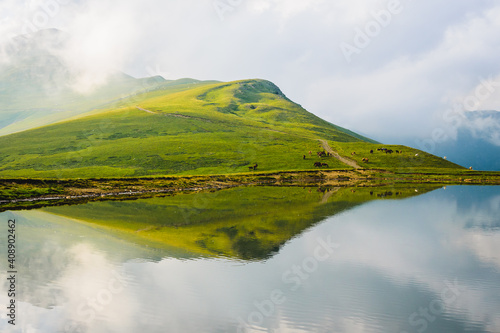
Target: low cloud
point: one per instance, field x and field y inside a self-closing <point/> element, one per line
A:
<point x="486" y="127"/>
<point x="396" y="87"/>
<point x="102" y="38"/>
<point x="95" y="40"/>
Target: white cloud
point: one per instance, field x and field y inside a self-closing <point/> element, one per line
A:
<point x="395" y="87"/>
<point x="103" y="37"/>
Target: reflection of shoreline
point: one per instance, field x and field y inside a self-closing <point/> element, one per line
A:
<point x="26" y="193"/>
<point x="326" y="188"/>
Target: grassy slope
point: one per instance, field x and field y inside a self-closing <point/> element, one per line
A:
<point x="246" y="223"/>
<point x="192" y="128"/>
<point x="224" y="128"/>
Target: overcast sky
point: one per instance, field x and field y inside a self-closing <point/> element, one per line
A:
<point x="388" y="69"/>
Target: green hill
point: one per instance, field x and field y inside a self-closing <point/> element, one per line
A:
<point x="186" y="127"/>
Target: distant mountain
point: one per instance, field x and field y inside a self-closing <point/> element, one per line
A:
<point x="477" y="143"/>
<point x="38" y="87"/>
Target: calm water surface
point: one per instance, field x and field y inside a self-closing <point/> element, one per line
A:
<point x="333" y="261"/>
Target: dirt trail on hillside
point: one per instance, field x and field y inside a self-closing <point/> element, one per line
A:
<point x="170" y="114"/>
<point x="148" y="111"/>
<point x="344" y="160"/>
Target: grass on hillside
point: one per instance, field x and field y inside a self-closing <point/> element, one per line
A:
<point x="189" y="132"/>
<point x="118" y="147"/>
<point x="197" y="128"/>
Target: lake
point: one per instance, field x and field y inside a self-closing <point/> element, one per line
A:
<point x="261" y="259"/>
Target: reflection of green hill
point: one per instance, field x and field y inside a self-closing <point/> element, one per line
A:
<point x="245" y="223"/>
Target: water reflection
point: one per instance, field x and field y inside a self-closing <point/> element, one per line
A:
<point x="246" y="223"/>
<point x="427" y="263"/>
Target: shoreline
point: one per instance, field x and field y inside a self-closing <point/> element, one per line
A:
<point x="34" y="193"/>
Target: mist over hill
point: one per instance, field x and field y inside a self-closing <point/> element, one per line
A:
<point x="39" y="83"/>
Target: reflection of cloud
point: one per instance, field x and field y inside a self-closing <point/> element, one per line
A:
<point x="94" y="290"/>
<point x="394" y="257"/>
<point x="485" y="246"/>
<point x="427" y="244"/>
<point x="90" y="290"/>
<point x="385" y="246"/>
<point x="64" y="265"/>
